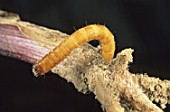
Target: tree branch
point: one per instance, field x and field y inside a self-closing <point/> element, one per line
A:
<point x="115" y="87"/>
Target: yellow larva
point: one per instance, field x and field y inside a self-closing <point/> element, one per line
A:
<point x="79" y="37"/>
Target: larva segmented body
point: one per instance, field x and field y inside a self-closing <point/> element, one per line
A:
<point x="79" y="37"/>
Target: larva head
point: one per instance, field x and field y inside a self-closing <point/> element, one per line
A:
<point x="38" y="70"/>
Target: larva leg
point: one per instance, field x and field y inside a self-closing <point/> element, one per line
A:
<point x="79" y="37"/>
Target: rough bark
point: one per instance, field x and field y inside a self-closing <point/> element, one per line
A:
<point x="115" y="87"/>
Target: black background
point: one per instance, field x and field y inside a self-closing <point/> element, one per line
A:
<point x="143" y="25"/>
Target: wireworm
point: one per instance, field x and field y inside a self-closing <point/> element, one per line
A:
<point x="81" y="36"/>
